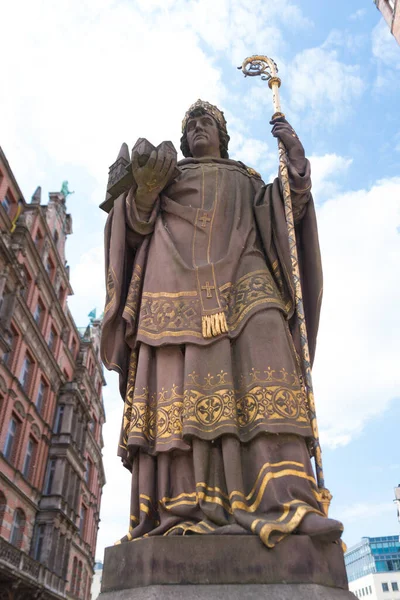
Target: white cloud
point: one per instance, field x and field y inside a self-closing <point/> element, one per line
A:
<point x="356" y="372"/>
<point x="347" y="40"/>
<point x="384" y="46"/>
<point x="76" y="91"/>
<point x="87" y="280"/>
<point x="321" y="86"/>
<point x="386" y="54"/>
<point x="253" y="152"/>
<point x="326" y="171"/>
<point x="364" y="511"/>
<point x="91" y="75"/>
<point x="358" y="14"/>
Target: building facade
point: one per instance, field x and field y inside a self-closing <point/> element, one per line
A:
<point x="51" y="408"/>
<point x="373" y="568"/>
<point x="377" y="586"/>
<point x="390" y="10"/>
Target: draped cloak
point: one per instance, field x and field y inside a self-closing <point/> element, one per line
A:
<point x="221" y="405"/>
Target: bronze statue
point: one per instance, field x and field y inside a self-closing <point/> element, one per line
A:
<point x="200" y="324"/>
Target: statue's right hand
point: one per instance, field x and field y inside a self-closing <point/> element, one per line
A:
<point x="152" y="177"/>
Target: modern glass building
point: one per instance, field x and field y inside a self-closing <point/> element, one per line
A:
<point x="373" y="555"/>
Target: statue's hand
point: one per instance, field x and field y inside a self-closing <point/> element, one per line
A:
<point x="286" y="134"/>
<point x="152" y="177"/>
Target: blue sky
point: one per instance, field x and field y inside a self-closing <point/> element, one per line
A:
<point x="82" y="77"/>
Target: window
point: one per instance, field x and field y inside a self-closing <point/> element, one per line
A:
<point x="3" y="506"/>
<point x="79" y="579"/>
<point x="49" y="268"/>
<point x="85" y="582"/>
<point x="82" y="521"/>
<point x="29" y="459"/>
<point x="41" y="396"/>
<point x="385" y="587"/>
<point x="39" y="539"/>
<point x="11" y="439"/>
<point x="39" y="313"/>
<point x="26" y="372"/>
<point x="60" y="554"/>
<point x="74" y="346"/>
<point x="6" y="204"/>
<point x="61" y="295"/>
<point x="370" y="589"/>
<point x="73" y="578"/>
<point x="12" y="342"/>
<point x="88" y="473"/>
<point x="59" y="418"/>
<point x="93" y="426"/>
<point x="395" y="586"/>
<point x="17" y="528"/>
<point x="56" y="237"/>
<point x="48" y="484"/>
<point x="27" y="284"/>
<point x="52" y="341"/>
<point x="38" y="240"/>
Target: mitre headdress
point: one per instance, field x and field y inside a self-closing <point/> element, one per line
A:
<point x="210" y="109"/>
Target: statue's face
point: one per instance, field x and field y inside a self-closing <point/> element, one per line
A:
<point x="203" y="136"/>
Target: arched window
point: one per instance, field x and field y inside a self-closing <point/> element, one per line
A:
<point x="85" y="582"/>
<point x="73" y="578"/>
<point x="3" y="506"/>
<point x="17" y="529"/>
<point x="79" y="579"/>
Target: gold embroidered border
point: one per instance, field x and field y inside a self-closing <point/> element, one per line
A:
<point x="262" y="399"/>
<point x="165" y="314"/>
<point x="110" y="290"/>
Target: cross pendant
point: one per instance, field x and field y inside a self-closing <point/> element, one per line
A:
<point x="204" y="220"/>
<point x="208" y="288"/>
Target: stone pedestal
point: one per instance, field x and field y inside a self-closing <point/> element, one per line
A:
<point x="222" y="567"/>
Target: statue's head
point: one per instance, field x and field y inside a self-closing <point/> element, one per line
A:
<point x="204" y="131"/>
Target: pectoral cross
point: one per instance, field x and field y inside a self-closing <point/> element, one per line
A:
<point x="208" y="288"/>
<point x="204" y="219"/>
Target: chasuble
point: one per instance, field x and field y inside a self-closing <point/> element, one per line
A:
<point x="200" y="324"/>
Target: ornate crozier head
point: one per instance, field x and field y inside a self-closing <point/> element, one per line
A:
<point x="201" y="108"/>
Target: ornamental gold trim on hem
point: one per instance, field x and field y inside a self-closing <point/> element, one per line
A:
<point x="271" y="528"/>
<point x="164" y="314"/>
<point x="267" y="401"/>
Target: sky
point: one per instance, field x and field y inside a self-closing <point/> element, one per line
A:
<point x="79" y="77"/>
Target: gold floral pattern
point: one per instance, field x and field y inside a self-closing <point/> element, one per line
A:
<point x="252" y="290"/>
<point x="261" y="402"/>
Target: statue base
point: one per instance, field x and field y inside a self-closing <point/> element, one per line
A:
<point x="231" y="566"/>
<point x="289" y="591"/>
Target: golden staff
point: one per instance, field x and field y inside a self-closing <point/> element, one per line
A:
<point x="266" y="67"/>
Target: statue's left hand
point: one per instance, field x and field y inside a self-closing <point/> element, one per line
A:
<point x="286" y="134"/>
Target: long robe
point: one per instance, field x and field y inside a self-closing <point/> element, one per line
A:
<point x="200" y="324"/>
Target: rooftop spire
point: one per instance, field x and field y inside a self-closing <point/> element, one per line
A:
<point x="37" y="196"/>
<point x="124" y="152"/>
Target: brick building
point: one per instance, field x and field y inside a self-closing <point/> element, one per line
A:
<point x="51" y="409"/>
<point x="390" y="10"/>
